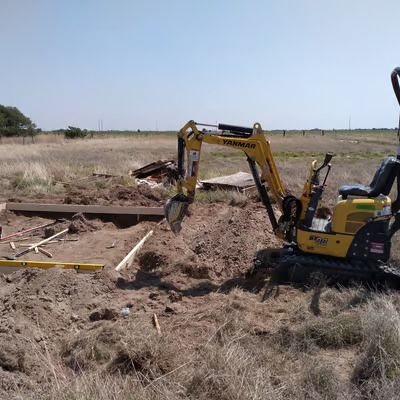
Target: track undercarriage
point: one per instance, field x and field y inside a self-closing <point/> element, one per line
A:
<point x="289" y="265"/>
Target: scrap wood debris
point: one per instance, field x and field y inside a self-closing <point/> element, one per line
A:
<point x="36" y="245"/>
<point x="161" y="171"/>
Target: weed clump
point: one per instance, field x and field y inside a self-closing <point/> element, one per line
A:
<point x="381" y="341"/>
<point x="34" y="178"/>
<point x="341" y="330"/>
<point x="320" y="382"/>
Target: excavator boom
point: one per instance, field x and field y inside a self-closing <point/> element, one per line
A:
<point x="262" y="165"/>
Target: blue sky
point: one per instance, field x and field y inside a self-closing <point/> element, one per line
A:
<point x="137" y="63"/>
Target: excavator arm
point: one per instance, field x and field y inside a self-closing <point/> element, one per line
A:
<point x="262" y="166"/>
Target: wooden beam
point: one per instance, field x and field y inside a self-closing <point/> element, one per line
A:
<point x="87" y="209"/>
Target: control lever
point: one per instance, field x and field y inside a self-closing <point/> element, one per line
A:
<point x="319" y="189"/>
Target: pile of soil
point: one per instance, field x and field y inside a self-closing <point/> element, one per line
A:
<point x="139" y="196"/>
<point x="80" y="224"/>
<point x="37" y="309"/>
<point x="217" y="241"/>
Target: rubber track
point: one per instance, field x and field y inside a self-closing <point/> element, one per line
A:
<point x="342" y="268"/>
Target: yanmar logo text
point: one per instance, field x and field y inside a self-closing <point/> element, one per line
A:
<point x="242" y="145"/>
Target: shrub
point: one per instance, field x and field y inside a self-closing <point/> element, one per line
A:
<point x="75" y="133"/>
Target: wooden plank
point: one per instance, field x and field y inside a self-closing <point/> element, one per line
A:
<point x="34" y="246"/>
<point x="45" y="252"/>
<point x="127" y="261"/>
<point x="156" y="324"/>
<point x="8" y="266"/>
<point x="87" y="209"/>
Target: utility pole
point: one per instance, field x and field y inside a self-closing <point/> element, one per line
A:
<point x="349" y="122"/>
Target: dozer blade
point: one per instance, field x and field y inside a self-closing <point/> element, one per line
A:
<point x="175" y="210"/>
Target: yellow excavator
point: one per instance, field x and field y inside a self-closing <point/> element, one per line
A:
<point x="353" y="243"/>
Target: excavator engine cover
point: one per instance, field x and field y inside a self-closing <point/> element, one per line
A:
<point x="175" y="210"/>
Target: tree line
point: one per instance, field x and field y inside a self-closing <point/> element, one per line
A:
<point x="14" y="123"/>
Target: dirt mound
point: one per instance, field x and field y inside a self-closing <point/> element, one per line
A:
<point x="37" y="308"/>
<point x="80" y="224"/>
<point x="217" y="241"/>
<point x="79" y="198"/>
<point x="139" y="196"/>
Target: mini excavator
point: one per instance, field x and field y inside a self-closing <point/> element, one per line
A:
<point x="351" y="244"/>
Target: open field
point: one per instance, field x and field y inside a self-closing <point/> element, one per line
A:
<point x="62" y="335"/>
<point x="38" y="168"/>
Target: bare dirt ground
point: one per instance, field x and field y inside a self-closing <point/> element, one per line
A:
<point x="42" y="309"/>
<point x="64" y="335"/>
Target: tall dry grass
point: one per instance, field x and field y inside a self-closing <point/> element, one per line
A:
<point x="38" y="167"/>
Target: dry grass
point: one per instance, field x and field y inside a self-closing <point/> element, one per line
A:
<point x="241" y="352"/>
<point x="242" y="349"/>
<point x="381" y="357"/>
<point x="38" y="167"/>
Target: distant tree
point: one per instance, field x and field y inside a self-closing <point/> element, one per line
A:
<point x="14" y="123"/>
<point x="75" y="133"/>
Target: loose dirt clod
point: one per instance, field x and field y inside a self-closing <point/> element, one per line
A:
<point x="103" y="314"/>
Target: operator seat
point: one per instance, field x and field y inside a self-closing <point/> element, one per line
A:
<point x="381" y="183"/>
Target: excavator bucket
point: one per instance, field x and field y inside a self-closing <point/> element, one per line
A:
<point x="175" y="210"/>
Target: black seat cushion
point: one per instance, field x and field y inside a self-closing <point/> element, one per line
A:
<point x="381" y="183"/>
<point x="354" y="189"/>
